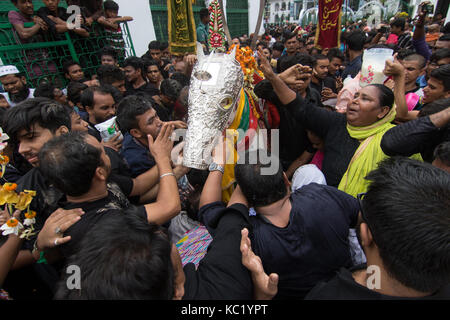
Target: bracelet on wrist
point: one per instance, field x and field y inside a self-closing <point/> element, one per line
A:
<point x="166" y="174"/>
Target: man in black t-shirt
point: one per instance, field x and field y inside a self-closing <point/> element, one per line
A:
<point x="136" y="78"/>
<point x="30" y="125"/>
<point x="76" y="163"/>
<point x="303" y="236"/>
<point x="403" y="229"/>
<point x="320" y="79"/>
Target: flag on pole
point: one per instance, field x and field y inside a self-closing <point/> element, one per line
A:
<point x="216" y="31"/>
<point x="182" y="32"/>
<point x="329" y="27"/>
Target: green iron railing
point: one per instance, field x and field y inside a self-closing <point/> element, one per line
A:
<point x="237" y="17"/>
<point x="41" y="58"/>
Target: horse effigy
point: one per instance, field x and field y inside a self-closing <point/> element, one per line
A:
<point x="222" y="101"/>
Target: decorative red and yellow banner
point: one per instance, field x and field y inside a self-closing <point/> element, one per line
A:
<point x="328" y="30"/>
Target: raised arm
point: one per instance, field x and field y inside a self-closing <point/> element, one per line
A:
<point x="167" y="203"/>
<point x="419" y="42"/>
<point x="396" y="70"/>
<point x="284" y="93"/>
<point x="212" y="190"/>
<point x="10" y="249"/>
<point x="414" y="136"/>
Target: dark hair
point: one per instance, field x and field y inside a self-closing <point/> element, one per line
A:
<point x="136" y="63"/>
<point x="288" y="62"/>
<point x="68" y="64"/>
<point x="442" y="152"/>
<point x="154" y="45"/>
<point x="335" y="53"/>
<point x="129" y="109"/>
<point x="87" y="97"/>
<point x="204" y="13"/>
<point x="289" y="36"/>
<point x="47" y="113"/>
<point x="125" y="257"/>
<point x="440" y="54"/>
<point x="171" y="88"/>
<point x="150" y="62"/>
<point x="416" y="57"/>
<point x="305" y="59"/>
<point x="442" y="74"/>
<point x="278" y="46"/>
<point x="45" y="90"/>
<point x="108" y="74"/>
<point x="181" y="78"/>
<point x="259" y="189"/>
<point x="109" y="51"/>
<point x="385" y="95"/>
<point x="399" y="22"/>
<point x="164" y="45"/>
<point x="355" y="40"/>
<point x="74" y="90"/>
<point x="69" y="162"/>
<point x="434" y="107"/>
<point x="319" y="57"/>
<point x="407" y="209"/>
<point x="445" y="37"/>
<point x="110" y="5"/>
<point x="404" y="52"/>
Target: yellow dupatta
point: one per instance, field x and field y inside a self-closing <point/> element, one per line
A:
<point x="368" y="154"/>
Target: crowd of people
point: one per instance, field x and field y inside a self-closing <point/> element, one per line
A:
<point x="363" y="182"/>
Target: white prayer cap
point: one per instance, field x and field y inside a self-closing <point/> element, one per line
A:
<point x="6" y="70"/>
<point x="307" y="174"/>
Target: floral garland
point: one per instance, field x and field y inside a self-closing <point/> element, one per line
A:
<point x="20" y="201"/>
<point x="245" y="57"/>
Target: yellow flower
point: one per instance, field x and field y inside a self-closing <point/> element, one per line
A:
<point x="30" y="215"/>
<point x="12" y="223"/>
<point x="30" y="218"/>
<point x="4" y="160"/>
<point x="30" y="192"/>
<point x="10" y="186"/>
<point x="8" y="194"/>
<point x="11" y="226"/>
<point x="24" y="201"/>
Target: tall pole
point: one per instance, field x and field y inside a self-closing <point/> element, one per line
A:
<point x="225" y="24"/>
<point x="258" y="24"/>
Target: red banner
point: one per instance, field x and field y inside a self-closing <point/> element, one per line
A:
<point x="328" y="30"/>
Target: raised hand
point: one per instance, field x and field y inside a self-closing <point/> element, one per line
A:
<point x="114" y="143"/>
<point x="163" y="144"/>
<point x="264" y="65"/>
<point x="394" y="68"/>
<point x="52" y="234"/>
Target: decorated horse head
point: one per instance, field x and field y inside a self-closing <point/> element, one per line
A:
<point x="216" y="84"/>
<point x="220" y="99"/>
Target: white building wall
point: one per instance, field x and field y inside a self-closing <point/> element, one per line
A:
<point x="141" y="29"/>
<point x="253" y="10"/>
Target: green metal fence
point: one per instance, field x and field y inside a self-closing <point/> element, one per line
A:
<point x="42" y="58"/>
<point x="237" y="17"/>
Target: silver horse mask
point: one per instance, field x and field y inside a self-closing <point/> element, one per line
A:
<point x="215" y="86"/>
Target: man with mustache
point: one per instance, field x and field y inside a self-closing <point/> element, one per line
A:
<point x="15" y="85"/>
